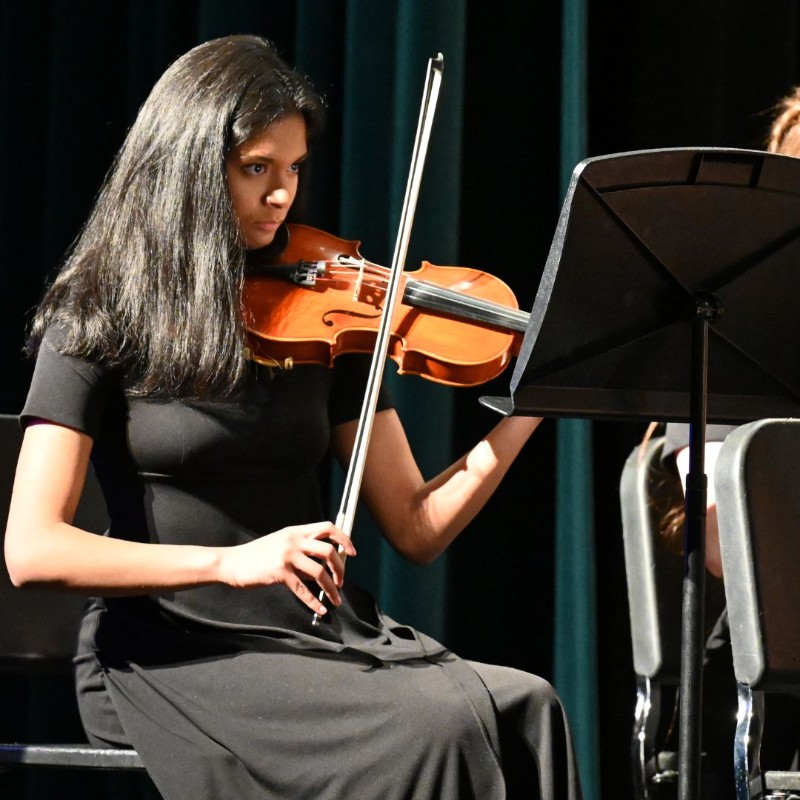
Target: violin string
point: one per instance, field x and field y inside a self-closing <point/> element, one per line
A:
<point x="343" y="268"/>
<point x="374" y="276"/>
<point x="434" y="297"/>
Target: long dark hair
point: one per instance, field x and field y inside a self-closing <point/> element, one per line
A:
<point x="153" y="282"/>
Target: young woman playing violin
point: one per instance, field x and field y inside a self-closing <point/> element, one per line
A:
<point x="197" y="648"/>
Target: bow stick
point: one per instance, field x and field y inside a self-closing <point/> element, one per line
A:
<point x="355" y="471"/>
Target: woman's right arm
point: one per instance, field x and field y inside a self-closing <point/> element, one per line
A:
<point x="43" y="548"/>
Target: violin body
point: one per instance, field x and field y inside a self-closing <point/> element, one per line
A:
<point x="340" y="313"/>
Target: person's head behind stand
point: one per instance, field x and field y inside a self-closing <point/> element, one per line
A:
<point x="784" y="139"/>
<point x="784" y="135"/>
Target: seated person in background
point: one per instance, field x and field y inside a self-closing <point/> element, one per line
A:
<point x="719" y="692"/>
<point x="719" y="685"/>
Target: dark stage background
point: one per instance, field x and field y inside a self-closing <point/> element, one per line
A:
<point x="657" y="75"/>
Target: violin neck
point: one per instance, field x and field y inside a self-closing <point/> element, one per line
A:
<point x="430" y="296"/>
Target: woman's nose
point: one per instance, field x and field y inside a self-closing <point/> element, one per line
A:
<point x="278" y="197"/>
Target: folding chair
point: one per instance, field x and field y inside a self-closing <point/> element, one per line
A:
<point x="38" y="629"/>
<point x="654" y="575"/>
<point x="758" y="505"/>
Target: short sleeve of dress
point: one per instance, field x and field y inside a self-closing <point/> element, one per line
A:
<point x="351" y="373"/>
<point x="65" y="390"/>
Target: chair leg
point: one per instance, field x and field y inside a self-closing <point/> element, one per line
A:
<point x="645" y="725"/>
<point x="747" y="744"/>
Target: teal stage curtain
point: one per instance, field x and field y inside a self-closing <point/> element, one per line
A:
<point x="519" y="587"/>
<point x="575" y="652"/>
<point x="383" y="87"/>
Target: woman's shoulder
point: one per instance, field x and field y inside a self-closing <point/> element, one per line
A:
<point x="64" y="360"/>
<point x="55" y="336"/>
<point x="67" y="388"/>
<point x="64" y="339"/>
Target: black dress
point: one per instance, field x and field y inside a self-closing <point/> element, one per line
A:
<point x="233" y="693"/>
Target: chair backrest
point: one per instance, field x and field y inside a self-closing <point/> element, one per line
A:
<point x="758" y="497"/>
<point x="39" y="628"/>
<point x="653" y="575"/>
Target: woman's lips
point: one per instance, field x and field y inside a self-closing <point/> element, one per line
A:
<point x="268" y="225"/>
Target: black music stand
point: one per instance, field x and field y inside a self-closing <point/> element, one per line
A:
<point x="671" y="293"/>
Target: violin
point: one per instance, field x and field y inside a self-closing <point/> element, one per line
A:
<point x="319" y="298"/>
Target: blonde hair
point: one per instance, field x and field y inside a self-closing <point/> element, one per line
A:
<point x="784" y="135"/>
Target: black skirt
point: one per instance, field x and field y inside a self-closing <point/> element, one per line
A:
<point x="222" y="714"/>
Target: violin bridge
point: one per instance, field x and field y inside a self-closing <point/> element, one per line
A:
<point x="359" y="282"/>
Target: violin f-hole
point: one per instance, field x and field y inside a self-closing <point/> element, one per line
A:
<point x="328" y="321"/>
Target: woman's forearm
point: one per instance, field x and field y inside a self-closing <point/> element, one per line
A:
<point x="61" y="556"/>
<point x="421" y="518"/>
<point x="446" y="504"/>
<point x="42" y="548"/>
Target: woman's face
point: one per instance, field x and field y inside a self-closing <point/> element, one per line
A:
<point x="262" y="178"/>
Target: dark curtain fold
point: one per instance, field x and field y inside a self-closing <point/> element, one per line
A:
<point x="383" y="92"/>
<point x="73" y="75"/>
<point x="575" y="662"/>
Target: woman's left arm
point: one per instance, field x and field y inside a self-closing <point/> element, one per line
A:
<point x="420" y="518"/>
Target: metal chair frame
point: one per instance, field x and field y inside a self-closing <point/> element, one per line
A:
<point x="654" y="577"/>
<point x="650" y="765"/>
<point x="758" y="507"/>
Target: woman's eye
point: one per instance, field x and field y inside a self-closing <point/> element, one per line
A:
<point x="295" y="169"/>
<point x="255" y="169"/>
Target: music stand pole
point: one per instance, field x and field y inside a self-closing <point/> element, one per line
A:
<point x="693" y="629"/>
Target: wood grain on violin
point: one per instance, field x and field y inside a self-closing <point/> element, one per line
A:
<point x="319" y="298"/>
